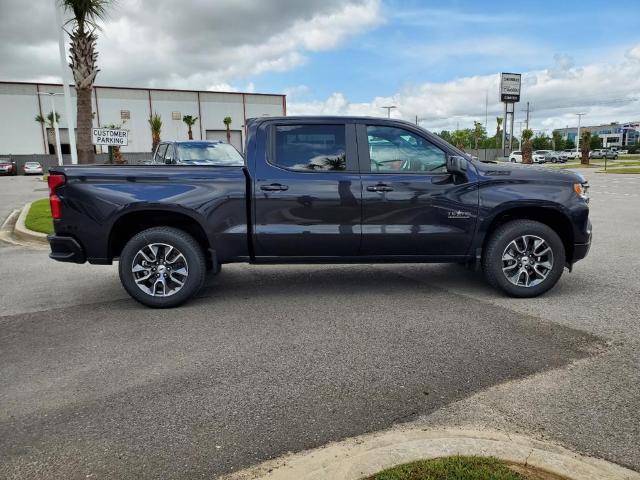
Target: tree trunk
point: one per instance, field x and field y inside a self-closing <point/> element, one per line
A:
<point x="228" y="135"/>
<point x="86" y="153"/>
<point x="190" y="133"/>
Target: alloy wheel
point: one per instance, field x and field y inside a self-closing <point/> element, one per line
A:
<point x="527" y="261"/>
<point x="159" y="269"/>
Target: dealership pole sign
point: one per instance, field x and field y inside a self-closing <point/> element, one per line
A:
<point x="510" y="84"/>
<point x="113" y="137"/>
<point x="510" y="87"/>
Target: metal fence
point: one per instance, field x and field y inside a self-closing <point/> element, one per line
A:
<point x="48" y="161"/>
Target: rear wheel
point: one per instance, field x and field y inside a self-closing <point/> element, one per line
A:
<point x="524" y="258"/>
<point x="162" y="267"/>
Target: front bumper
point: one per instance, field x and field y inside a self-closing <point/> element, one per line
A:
<point x="66" y="249"/>
<point x="580" y="250"/>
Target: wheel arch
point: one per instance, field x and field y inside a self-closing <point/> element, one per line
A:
<point x="554" y="218"/>
<point x="133" y="222"/>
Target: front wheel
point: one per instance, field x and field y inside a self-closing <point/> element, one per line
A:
<point x="524" y="258"/>
<point x="162" y="267"/>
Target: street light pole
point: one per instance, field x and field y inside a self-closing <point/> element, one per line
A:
<point x="389" y="107"/>
<point x="65" y="85"/>
<point x="578" y="137"/>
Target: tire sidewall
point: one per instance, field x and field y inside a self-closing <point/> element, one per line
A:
<point x="176" y="238"/>
<point x="507" y="233"/>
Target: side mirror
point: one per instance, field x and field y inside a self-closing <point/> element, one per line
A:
<point x="456" y="164"/>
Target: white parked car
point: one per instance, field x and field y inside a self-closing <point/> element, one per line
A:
<point x="540" y="156"/>
<point x="569" y="154"/>
<point x="516" y="156"/>
<point x="32" y="168"/>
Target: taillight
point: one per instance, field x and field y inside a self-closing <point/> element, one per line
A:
<point x="55" y="180"/>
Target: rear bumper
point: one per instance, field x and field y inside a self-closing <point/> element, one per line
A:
<point x="66" y="249"/>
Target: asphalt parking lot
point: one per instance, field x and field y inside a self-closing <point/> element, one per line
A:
<point x="274" y="359"/>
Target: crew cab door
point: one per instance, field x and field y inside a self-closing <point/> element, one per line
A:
<point x="411" y="204"/>
<point x="307" y="192"/>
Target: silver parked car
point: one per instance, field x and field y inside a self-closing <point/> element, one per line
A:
<point x="603" y="153"/>
<point x="553" y="157"/>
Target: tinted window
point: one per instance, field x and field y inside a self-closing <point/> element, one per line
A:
<point x="168" y="155"/>
<point x="310" y="148"/>
<point x="395" y="150"/>
<point x="159" y="158"/>
<point x="221" y="154"/>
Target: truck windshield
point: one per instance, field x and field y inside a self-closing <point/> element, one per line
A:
<point x="220" y="154"/>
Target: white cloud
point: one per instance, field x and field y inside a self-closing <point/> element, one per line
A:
<point x="605" y="92"/>
<point x="191" y="45"/>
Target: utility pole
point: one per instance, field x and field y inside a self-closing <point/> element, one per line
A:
<point x="389" y="107"/>
<point x="65" y="85"/>
<point x="486" y="109"/>
<point x="527" y="121"/>
<point x="578" y="137"/>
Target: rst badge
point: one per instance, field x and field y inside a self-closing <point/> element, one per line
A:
<point x="459" y="214"/>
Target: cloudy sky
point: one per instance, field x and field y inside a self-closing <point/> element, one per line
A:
<point x="438" y="60"/>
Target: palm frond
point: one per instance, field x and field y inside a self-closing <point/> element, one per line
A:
<point x="86" y="12"/>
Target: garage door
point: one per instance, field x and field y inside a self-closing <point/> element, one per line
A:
<point x="236" y="137"/>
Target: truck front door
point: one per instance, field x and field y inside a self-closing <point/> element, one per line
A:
<point x="411" y="204"/>
<point x="307" y="194"/>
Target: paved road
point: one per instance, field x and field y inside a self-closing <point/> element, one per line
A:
<point x="271" y="359"/>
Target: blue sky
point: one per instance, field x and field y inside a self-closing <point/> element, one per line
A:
<point x="438" y="61"/>
<point x="422" y="41"/>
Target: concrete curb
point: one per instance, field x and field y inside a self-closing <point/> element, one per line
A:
<point x="359" y="457"/>
<point x="21" y="232"/>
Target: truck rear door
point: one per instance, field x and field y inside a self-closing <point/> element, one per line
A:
<point x="307" y="192"/>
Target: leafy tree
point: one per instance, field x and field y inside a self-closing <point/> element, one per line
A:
<point x="557" y="141"/>
<point x="446" y="136"/>
<point x="190" y="121"/>
<point x="227" y="124"/>
<point x="83" y="56"/>
<point x="569" y="144"/>
<point x="585" y="142"/>
<point x="155" y="122"/>
<point x="541" y="142"/>
<point x="527" y="147"/>
<point x="459" y="138"/>
<point x="595" y="142"/>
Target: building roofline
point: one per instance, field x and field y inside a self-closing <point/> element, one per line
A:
<point x="152" y="89"/>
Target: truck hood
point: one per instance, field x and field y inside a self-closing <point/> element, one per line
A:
<point x="527" y="172"/>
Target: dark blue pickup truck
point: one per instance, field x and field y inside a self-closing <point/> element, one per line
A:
<point x="320" y="190"/>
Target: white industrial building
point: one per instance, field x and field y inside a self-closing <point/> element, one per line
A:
<point x="130" y="107"/>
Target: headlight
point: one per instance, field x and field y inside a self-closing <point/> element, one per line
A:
<point x="582" y="190"/>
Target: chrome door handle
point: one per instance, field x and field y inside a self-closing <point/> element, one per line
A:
<point x="381" y="187"/>
<point x="274" y="187"/>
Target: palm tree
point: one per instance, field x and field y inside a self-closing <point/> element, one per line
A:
<point x="478" y="132"/>
<point x="585" y="145"/>
<point x="190" y="121"/>
<point x="527" y="147"/>
<point x="155" y="122"/>
<point x="498" y="132"/>
<point x="83" y="58"/>
<point x="227" y="123"/>
<point x="51" y="138"/>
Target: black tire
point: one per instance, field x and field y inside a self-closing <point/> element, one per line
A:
<point x="185" y="244"/>
<point x="492" y="259"/>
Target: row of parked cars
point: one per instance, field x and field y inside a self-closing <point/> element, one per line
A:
<point x="8" y="167"/>
<point x="552" y="156"/>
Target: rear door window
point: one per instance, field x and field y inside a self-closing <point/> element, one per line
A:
<point x="311" y="148"/>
